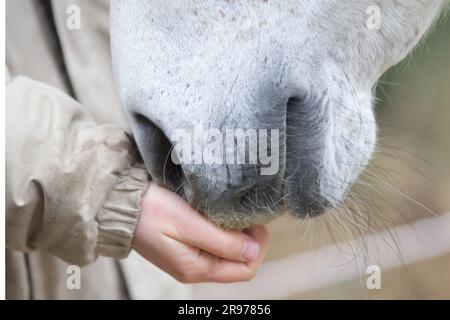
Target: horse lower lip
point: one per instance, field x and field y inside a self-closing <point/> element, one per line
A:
<point x="241" y="221"/>
<point x="228" y="218"/>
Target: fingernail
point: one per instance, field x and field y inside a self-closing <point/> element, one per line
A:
<point x="250" y="250"/>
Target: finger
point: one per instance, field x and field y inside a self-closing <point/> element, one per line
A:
<point x="261" y="234"/>
<point x="192" y="228"/>
<point x="209" y="268"/>
<point x="228" y="272"/>
<point x="213" y="269"/>
<point x="230" y="245"/>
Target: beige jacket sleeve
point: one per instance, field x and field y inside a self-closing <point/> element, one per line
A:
<point x="72" y="187"/>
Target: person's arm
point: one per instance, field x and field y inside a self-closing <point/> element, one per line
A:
<point x="73" y="187"/>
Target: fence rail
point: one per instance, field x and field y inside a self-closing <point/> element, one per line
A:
<point x="421" y="240"/>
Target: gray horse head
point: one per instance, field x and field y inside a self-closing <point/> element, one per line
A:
<point x="299" y="73"/>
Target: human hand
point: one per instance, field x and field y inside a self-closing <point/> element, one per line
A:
<point x="171" y="235"/>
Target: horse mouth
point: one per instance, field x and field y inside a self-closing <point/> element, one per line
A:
<point x="241" y="221"/>
<point x="257" y="207"/>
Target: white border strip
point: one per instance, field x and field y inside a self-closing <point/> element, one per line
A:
<point x="421" y="240"/>
<point x="2" y="153"/>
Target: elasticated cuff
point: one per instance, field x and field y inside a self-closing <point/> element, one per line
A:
<point x="119" y="214"/>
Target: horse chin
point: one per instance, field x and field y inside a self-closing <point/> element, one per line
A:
<point x="227" y="215"/>
<point x="241" y="221"/>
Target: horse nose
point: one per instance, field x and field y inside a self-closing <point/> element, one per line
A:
<point x="156" y="149"/>
<point x="196" y="181"/>
<point x="217" y="184"/>
<point x="204" y="184"/>
<point x="231" y="179"/>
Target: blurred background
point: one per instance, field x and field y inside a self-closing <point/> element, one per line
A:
<point x="407" y="181"/>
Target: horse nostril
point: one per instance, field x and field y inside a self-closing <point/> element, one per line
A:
<point x="156" y="150"/>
